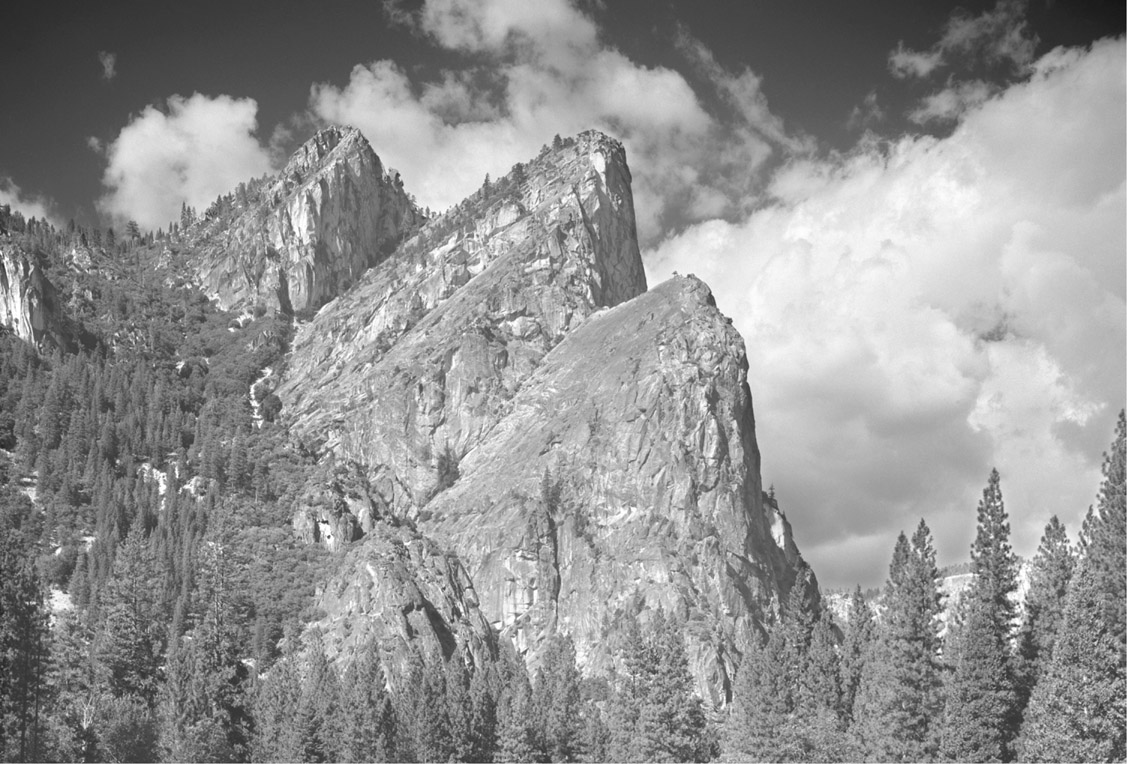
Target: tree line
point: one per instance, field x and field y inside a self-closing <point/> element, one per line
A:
<point x="994" y="685"/>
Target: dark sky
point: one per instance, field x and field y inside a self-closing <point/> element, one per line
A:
<point x="912" y="211"/>
<point x="818" y="61"/>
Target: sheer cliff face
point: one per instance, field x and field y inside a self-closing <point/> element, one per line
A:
<point x="414" y="366"/>
<point x="586" y="448"/>
<point x="309" y="232"/>
<point x="625" y="474"/>
<point x="29" y="303"/>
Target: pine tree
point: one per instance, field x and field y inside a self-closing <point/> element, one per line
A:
<point x="672" y="723"/>
<point x="130" y="643"/>
<point x="556" y="697"/>
<point x="276" y="734"/>
<point x="318" y="706"/>
<point x="898" y="703"/>
<point x="1077" y="711"/>
<point x="859" y="633"/>
<point x="516" y="736"/>
<point x="759" y="702"/>
<point x="483" y="710"/>
<point x="817" y="724"/>
<point x="981" y="715"/>
<point x="23" y="632"/>
<point x="656" y="715"/>
<point x="1049" y="576"/>
<point x="368" y="723"/>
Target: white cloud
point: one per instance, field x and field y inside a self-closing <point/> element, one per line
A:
<point x="996" y="37"/>
<point x="949" y="104"/>
<point x="922" y="310"/>
<point x="28" y="205"/>
<point x="541" y="69"/>
<point x="866" y="115"/>
<point x="198" y="149"/>
<point x="109" y="64"/>
<point x="904" y="63"/>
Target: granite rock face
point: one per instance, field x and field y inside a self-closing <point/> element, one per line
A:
<point x="401" y="588"/>
<point x="303" y="236"/>
<point x="411" y="369"/>
<point x="29" y="304"/>
<point x="625" y="476"/>
<point x="586" y="448"/>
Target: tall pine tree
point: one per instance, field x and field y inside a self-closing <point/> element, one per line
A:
<point x="1078" y="711"/>
<point x="980" y="718"/>
<point x="899" y="700"/>
<point x="1049" y="576"/>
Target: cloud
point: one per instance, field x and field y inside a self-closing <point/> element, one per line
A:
<point x="532" y="71"/>
<point x="905" y="63"/>
<point x="999" y="37"/>
<point x="30" y="206"/>
<point x="198" y="149"/>
<point x="109" y="64"/>
<point x="949" y="104"/>
<point x="921" y="310"/>
<point x="866" y="115"/>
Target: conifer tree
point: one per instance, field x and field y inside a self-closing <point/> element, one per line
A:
<point x="759" y="702"/>
<point x="516" y="736"/>
<point x="672" y="720"/>
<point x="130" y="643"/>
<point x="899" y="700"/>
<point x="276" y="734"/>
<point x="368" y="717"/>
<point x="556" y="698"/>
<point x="980" y="718"/>
<point x="318" y="706"/>
<point x="656" y="715"/>
<point x="859" y="634"/>
<point x="23" y="632"/>
<point x="483" y="710"/>
<point x="1049" y="576"/>
<point x="1077" y="711"/>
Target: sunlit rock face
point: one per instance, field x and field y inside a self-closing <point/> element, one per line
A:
<point x="625" y="476"/>
<point x="306" y="234"/>
<point x="402" y="589"/>
<point x="584" y="447"/>
<point x="419" y="361"/>
<point x="29" y="303"/>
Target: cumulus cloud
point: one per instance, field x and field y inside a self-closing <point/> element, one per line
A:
<point x="536" y="70"/>
<point x="196" y="150"/>
<point x="28" y="205"/>
<point x="924" y="309"/>
<point x="109" y="64"/>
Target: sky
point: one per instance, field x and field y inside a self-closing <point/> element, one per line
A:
<point x="913" y="212"/>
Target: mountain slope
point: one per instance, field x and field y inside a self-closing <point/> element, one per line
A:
<point x="585" y="447"/>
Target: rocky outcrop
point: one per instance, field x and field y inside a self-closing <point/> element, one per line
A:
<point x="416" y="364"/>
<point x="625" y="476"/>
<point x="586" y="448"/>
<point x="401" y="588"/>
<point x="29" y="303"/>
<point x="296" y="240"/>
